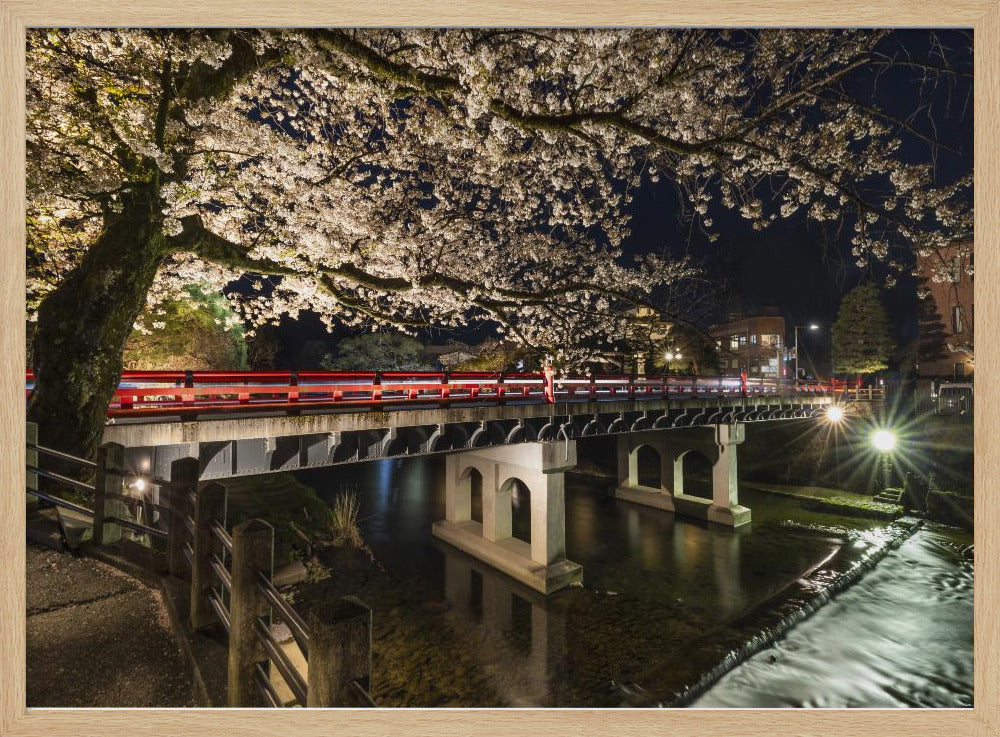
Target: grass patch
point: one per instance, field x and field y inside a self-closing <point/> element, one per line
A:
<point x="853" y="507"/>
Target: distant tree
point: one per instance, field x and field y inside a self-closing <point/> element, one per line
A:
<point x="376" y="351"/>
<point x="263" y="347"/>
<point x="860" y="336"/>
<point x="200" y="332"/>
<point x="697" y="350"/>
<point x="930" y="326"/>
<point x="498" y="355"/>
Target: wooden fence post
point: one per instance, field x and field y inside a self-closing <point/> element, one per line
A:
<point x="110" y="482"/>
<point x="253" y="553"/>
<point x="209" y="506"/>
<point x="340" y="651"/>
<point x="183" y="482"/>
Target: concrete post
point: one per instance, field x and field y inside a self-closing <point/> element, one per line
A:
<point x="548" y="517"/>
<point x="253" y="553"/>
<point x="108" y="488"/>
<point x="183" y="483"/>
<point x="497" y="515"/>
<point x="725" y="507"/>
<point x="210" y="505"/>
<point x="724" y="472"/>
<point x="340" y="651"/>
<point x="678" y="474"/>
<point x="457" y="492"/>
<point x="628" y="464"/>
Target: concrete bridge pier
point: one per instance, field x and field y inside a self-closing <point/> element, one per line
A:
<point x="716" y="442"/>
<point x="540" y="563"/>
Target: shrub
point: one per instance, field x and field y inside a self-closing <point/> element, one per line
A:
<point x="344" y="520"/>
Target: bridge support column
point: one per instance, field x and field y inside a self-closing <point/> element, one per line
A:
<point x="540" y="564"/>
<point x="716" y="442"/>
<point x="726" y="509"/>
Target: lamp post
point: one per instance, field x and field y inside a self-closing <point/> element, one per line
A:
<point x="811" y="326"/>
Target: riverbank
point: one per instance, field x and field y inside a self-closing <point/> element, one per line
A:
<point x="826" y="499"/>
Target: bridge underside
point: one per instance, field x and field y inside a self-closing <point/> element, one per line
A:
<point x="254" y="445"/>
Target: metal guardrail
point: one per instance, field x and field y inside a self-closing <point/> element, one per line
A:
<point x="81" y="486"/>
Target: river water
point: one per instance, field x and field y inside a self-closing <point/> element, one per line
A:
<point x="664" y="600"/>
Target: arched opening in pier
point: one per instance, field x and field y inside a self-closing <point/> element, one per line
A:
<point x="476" y="490"/>
<point x="520" y="508"/>
<point x="697" y="474"/>
<point x="648" y="467"/>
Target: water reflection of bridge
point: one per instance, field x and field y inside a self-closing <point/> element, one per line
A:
<point x="518" y="633"/>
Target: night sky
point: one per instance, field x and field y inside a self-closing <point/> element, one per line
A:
<point x="800" y="267"/>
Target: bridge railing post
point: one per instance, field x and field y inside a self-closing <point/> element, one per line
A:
<point x="183" y="485"/>
<point x="109" y="482"/>
<point x="253" y="553"/>
<point x="501" y="390"/>
<point x="445" y="388"/>
<point x="340" y="653"/>
<point x="209" y="506"/>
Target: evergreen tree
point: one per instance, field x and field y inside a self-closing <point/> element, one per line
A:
<point x="930" y="327"/>
<point x="861" y="342"/>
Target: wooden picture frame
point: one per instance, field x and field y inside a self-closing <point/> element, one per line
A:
<point x="15" y="15"/>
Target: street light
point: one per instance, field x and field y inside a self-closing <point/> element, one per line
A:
<point x="835" y="414"/>
<point x="811" y="326"/>
<point x="884" y="440"/>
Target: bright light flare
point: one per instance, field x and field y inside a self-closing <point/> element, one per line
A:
<point x="835" y="414"/>
<point x="884" y="440"/>
<point x="139" y="485"/>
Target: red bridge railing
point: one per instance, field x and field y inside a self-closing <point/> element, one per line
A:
<point x="152" y="393"/>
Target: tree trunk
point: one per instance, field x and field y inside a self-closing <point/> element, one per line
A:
<point x="83" y="325"/>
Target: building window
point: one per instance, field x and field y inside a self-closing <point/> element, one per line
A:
<point x="753" y="339"/>
<point x="956" y="319"/>
<point x="743" y="341"/>
<point x="734" y="342"/>
<point x="718" y="344"/>
<point x="956" y="270"/>
<point x="772" y="341"/>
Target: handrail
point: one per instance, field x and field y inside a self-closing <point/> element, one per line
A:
<point x="137" y="527"/>
<point x="297" y="626"/>
<point x="60" y="502"/>
<point x="60" y="478"/>
<point x="287" y="669"/>
<point x="265" y="687"/>
<point x="220" y="609"/>
<point x="223" y="537"/>
<point x="362" y="693"/>
<point x="219" y="568"/>
<point x="61" y="455"/>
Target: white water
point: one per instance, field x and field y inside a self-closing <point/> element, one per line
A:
<point x="901" y="637"/>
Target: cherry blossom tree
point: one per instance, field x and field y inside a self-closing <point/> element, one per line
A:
<point x="421" y="178"/>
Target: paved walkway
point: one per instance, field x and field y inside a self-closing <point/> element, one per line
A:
<point x="98" y="637"/>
